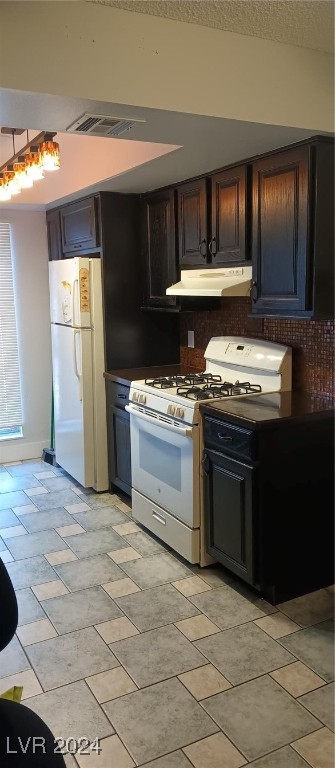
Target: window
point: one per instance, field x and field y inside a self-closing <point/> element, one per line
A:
<point x="10" y="391"/>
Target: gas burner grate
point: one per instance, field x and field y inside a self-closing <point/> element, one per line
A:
<point x="192" y="393"/>
<point x="165" y="382"/>
<point x="190" y="380"/>
<point x="213" y="390"/>
<point x="245" y="388"/>
<point x="194" y="379"/>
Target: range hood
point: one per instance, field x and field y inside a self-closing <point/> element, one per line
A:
<point x="229" y="281"/>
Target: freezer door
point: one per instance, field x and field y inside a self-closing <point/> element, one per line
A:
<point x="70" y="292"/>
<point x="73" y="392"/>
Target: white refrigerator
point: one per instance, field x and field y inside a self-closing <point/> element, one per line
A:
<point x="78" y="362"/>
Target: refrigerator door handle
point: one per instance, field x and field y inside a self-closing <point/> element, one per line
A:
<point x="74" y="294"/>
<point x="75" y="363"/>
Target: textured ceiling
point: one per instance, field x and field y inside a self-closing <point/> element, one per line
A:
<point x="306" y="23"/>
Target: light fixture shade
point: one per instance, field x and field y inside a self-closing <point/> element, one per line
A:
<point x="49" y="155"/>
<point x="28" y="164"/>
<point x="20" y="171"/>
<point x="4" y="193"/>
<point x="33" y="165"/>
<point x="11" y="182"/>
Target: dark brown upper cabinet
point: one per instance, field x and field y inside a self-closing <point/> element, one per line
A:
<point x="79" y="226"/>
<point x="192" y="223"/>
<point x="229" y="226"/>
<point x="159" y="246"/>
<point x="212" y="224"/>
<point x="132" y="338"/>
<point x="54" y="236"/>
<point x="293" y="236"/>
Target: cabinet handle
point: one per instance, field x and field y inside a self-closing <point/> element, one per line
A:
<point x="212" y="246"/>
<point x="205" y="464"/>
<point x="122" y="397"/>
<point x="203" y="248"/>
<point x="254" y="291"/>
<point x="227" y="438"/>
<point x="78" y="245"/>
<point x="158" y="517"/>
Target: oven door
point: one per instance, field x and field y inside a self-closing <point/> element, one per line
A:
<point x="162" y="461"/>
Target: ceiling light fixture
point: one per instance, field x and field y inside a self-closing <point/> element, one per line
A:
<point x="11" y="181"/>
<point x="20" y="171"/>
<point x="4" y="194"/>
<point x="33" y="164"/>
<point x="29" y="164"/>
<point x="49" y="154"/>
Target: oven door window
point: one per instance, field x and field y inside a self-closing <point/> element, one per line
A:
<point x="161" y="459"/>
<point x="162" y="467"/>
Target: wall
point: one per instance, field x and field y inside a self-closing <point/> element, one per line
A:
<point x="29" y="246"/>
<point x="312" y="342"/>
<point x="102" y="53"/>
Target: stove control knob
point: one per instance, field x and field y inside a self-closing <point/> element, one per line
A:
<point x="180" y="413"/>
<point x="142" y="398"/>
<point x="171" y="410"/>
<point x="135" y="397"/>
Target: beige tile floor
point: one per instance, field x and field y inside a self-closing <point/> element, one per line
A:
<point x="158" y="663"/>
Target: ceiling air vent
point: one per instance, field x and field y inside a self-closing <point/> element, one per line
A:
<point x="102" y="125"/>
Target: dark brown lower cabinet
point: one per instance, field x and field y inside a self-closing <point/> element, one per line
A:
<point x="120" y="461"/>
<point x="269" y="499"/>
<point x="119" y="458"/>
<point x="230" y="535"/>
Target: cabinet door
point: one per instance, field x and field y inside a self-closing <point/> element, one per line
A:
<point x="79" y="226"/>
<point x="192" y="223"/>
<point x="229" y="513"/>
<point x="53" y="235"/>
<point x="280" y="232"/>
<point x="119" y="448"/>
<point x="228" y="241"/>
<point x="160" y="247"/>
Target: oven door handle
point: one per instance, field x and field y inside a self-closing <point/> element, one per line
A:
<point x="183" y="431"/>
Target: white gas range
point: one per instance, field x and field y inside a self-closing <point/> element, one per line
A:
<point x="165" y="439"/>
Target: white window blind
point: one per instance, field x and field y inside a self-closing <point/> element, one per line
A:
<point x="10" y="391"/>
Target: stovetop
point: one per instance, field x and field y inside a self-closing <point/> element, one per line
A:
<point x="179" y="396"/>
<point x="203" y="386"/>
<point x="235" y="367"/>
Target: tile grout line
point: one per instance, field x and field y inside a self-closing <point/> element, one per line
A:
<point x="200" y="612"/>
<point x="239" y="748"/>
<point x="171" y="676"/>
<point x="298" y="753"/>
<point x="296" y="698"/>
<point x="105" y="713"/>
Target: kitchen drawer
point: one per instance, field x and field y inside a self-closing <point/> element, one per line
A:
<point x="118" y="394"/>
<point x="177" y="535"/>
<point x="228" y="438"/>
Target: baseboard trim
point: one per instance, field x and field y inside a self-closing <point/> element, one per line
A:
<point x="19" y="451"/>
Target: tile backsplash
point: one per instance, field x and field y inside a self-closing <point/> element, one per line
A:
<point x="312" y="342"/>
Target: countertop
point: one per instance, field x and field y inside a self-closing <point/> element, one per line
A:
<point x="127" y="375"/>
<point x="259" y="411"/>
